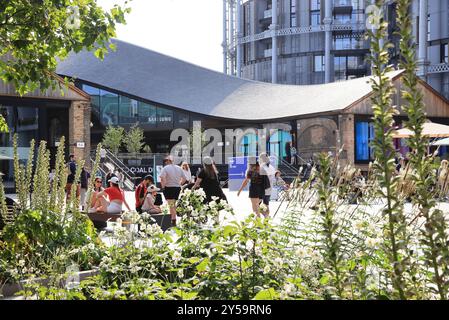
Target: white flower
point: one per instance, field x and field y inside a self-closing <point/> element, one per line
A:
<point x="289" y="289"/>
<point x="145" y="215"/>
<point x="249" y="245"/>
<point x="176" y="256"/>
<point x="300" y="252"/>
<point x="267" y="269"/>
<point x="21" y="263"/>
<point x="194" y="239"/>
<point x="372" y="242"/>
<point x="278" y="262"/>
<point x="180" y="273"/>
<point x="91" y="246"/>
<point x="358" y="225"/>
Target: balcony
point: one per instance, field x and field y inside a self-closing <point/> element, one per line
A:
<point x="438" y="68"/>
<point x="342" y="6"/>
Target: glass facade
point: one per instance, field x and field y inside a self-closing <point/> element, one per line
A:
<point x="293" y="22"/>
<point x="318" y="64"/>
<point x="23" y="121"/>
<point x="315" y="14"/>
<point x="364" y="133"/>
<point x="114" y="109"/>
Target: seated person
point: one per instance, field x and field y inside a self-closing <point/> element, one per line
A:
<point x="116" y="198"/>
<point x="279" y="183"/>
<point x="95" y="202"/>
<point x="149" y="203"/>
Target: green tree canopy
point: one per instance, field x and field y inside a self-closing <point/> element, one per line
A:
<point x="34" y="34"/>
<point x="113" y="138"/>
<point x="134" y="139"/>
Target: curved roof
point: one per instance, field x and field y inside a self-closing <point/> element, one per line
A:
<point x="162" y="79"/>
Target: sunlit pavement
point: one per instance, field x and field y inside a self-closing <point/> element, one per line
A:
<point x="241" y="205"/>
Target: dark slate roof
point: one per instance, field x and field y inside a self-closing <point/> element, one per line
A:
<point x="152" y="76"/>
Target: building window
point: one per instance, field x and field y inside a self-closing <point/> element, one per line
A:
<point x="315" y="16"/>
<point x="428" y="27"/>
<point x="364" y="134"/>
<point x="109" y="103"/>
<point x="147" y="114"/>
<point x="95" y="97"/>
<point x="343" y="18"/>
<point x="293" y="22"/>
<point x="128" y="111"/>
<point x="445" y="53"/>
<point x="318" y="64"/>
<point x="164" y="118"/>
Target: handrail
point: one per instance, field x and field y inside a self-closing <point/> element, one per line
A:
<point x="118" y="163"/>
<point x="358" y="26"/>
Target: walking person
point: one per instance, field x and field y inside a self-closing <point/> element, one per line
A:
<point x="268" y="172"/>
<point x="288" y="152"/>
<point x="256" y="187"/>
<point x="102" y="155"/>
<point x="115" y="198"/>
<point x="84" y="182"/>
<point x="187" y="173"/>
<point x="294" y="153"/>
<point x="141" y="192"/>
<point x="172" y="178"/>
<point x="71" y="166"/>
<point x="208" y="180"/>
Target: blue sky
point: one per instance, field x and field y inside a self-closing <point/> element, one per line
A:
<point x="190" y="30"/>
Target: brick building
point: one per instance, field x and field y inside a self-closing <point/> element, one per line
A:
<point x="44" y="115"/>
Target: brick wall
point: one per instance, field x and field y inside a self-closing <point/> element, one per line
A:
<point x="79" y="130"/>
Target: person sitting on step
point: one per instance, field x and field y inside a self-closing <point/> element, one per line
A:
<point x="149" y="205"/>
<point x="116" y="198"/>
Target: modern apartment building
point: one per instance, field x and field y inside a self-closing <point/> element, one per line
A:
<point x="321" y="41"/>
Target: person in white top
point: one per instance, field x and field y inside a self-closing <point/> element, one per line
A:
<point x="148" y="205"/>
<point x="172" y="178"/>
<point x="187" y="173"/>
<point x="267" y="169"/>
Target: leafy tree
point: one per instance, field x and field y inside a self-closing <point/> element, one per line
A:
<point x="34" y="34"/>
<point x="134" y="139"/>
<point x="112" y="138"/>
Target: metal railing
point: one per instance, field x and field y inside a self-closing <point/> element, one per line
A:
<point x="128" y="181"/>
<point x="336" y="26"/>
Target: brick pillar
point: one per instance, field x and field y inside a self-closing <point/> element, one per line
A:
<point x="347" y="138"/>
<point x="79" y="130"/>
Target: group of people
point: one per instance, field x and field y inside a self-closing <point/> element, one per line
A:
<point x="261" y="176"/>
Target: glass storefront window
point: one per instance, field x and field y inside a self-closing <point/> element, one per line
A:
<point x="23" y="121"/>
<point x="95" y="97"/>
<point x="181" y="120"/>
<point x="164" y="118"/>
<point x="108" y="108"/>
<point x="128" y="110"/>
<point x="147" y="114"/>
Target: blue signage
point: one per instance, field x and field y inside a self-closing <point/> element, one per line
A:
<point x="237" y="168"/>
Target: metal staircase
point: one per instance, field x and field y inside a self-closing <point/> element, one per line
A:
<point x="110" y="163"/>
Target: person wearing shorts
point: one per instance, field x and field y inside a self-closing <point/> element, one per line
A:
<point x="256" y="187"/>
<point x="268" y="171"/>
<point x="115" y="201"/>
<point x="172" y="178"/>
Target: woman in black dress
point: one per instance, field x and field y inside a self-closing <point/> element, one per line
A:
<point x="208" y="180"/>
<point x="256" y="186"/>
